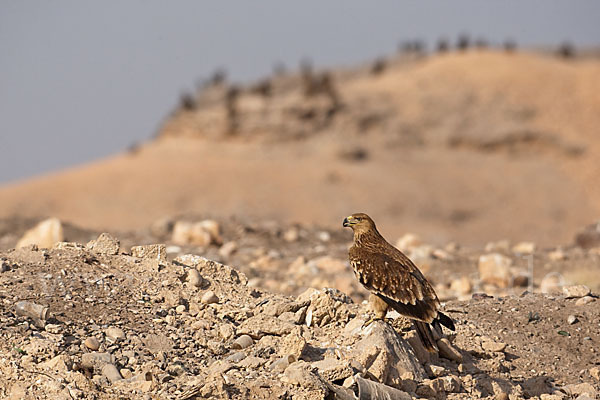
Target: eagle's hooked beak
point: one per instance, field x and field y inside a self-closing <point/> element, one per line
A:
<point x="348" y="221"/>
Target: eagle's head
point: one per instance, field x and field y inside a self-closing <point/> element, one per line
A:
<point x="359" y="222"/>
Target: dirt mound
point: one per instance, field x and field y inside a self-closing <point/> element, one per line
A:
<point x="137" y="324"/>
<point x="468" y="147"/>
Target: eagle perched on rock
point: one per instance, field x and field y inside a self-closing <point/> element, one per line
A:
<point x="390" y="276"/>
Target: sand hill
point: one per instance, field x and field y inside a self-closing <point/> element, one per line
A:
<point x="470" y="147"/>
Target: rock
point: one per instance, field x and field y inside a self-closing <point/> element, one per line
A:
<point x="422" y="354"/>
<point x="571" y="319"/>
<point x="536" y="386"/>
<point x="252" y="362"/>
<point x="524" y="248"/>
<point x="292" y="345"/>
<point x="367" y="389"/>
<point x="194" y="277"/>
<point x="595" y="373"/>
<point x="226" y="331"/>
<point x="114" y="334"/>
<point x="53" y="328"/>
<point x="200" y="234"/>
<point x="152" y="252"/>
<point x="180" y="309"/>
<point x="324" y="236"/>
<point x="187" y="233"/>
<point x="111" y="372"/>
<point x="437" y="370"/>
<point x="209" y="297"/>
<point x="494" y="269"/>
<point x="462" y="286"/>
<point x="4" y="266"/>
<point x="300" y="373"/>
<point x="291" y="235"/>
<point x="327" y="305"/>
<point x="281" y="364"/>
<point x="96" y="360"/>
<point x="162" y="227"/>
<point x="332" y="369"/>
<point x="92" y="343"/>
<point x="547" y="396"/>
<point x="39" y="347"/>
<point x="261" y="325"/>
<point x="214" y="230"/>
<point x="408" y="242"/>
<point x="589" y="237"/>
<point x="212" y="268"/>
<point x="500" y="245"/>
<point x="576" y="291"/>
<point x="552" y="283"/>
<point x="104" y="244"/>
<point x="386" y="355"/>
<point x="450" y="384"/>
<point x="236" y="357"/>
<point x="448" y="351"/>
<point x="227" y="249"/>
<point x="520" y="279"/>
<point x="580" y="389"/>
<point x="584" y="300"/>
<point x="44" y="235"/>
<point x="126" y="373"/>
<point x="557" y="255"/>
<point x="441" y="254"/>
<point x="242" y="342"/>
<point x="492" y="346"/>
<point x="62" y="363"/>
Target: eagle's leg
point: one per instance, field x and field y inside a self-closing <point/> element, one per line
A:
<point x="379" y="309"/>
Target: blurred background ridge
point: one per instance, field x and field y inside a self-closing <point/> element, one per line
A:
<point x="463" y="121"/>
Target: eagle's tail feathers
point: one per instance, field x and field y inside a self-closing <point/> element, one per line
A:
<point x="446" y="321"/>
<point x="426" y="336"/>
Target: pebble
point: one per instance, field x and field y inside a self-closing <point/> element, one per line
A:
<point x="576" y="291"/>
<point x="92" y="343"/>
<point x="194" y="277"/>
<point x="180" y="309"/>
<point x="557" y="255"/>
<point x="461" y="286"/>
<point x="228" y="249"/>
<point x="236" y="357"/>
<point x="114" y="334"/>
<point x="492" y="346"/>
<point x="209" y="298"/>
<point x="584" y="300"/>
<point x="52" y="328"/>
<point x="448" y="351"/>
<point x="595" y="373"/>
<point x="494" y="269"/>
<point x="437" y="370"/>
<point x="226" y="331"/>
<point x="4" y="266"/>
<point x="111" y="372"/>
<point x="95" y="360"/>
<point x="126" y="373"/>
<point x="280" y="364"/>
<point x="242" y="342"/>
<point x="572" y="319"/>
<point x="551" y="283"/>
<point x="524" y="248"/>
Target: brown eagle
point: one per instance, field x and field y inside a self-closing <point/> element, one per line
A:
<point x="389" y="275"/>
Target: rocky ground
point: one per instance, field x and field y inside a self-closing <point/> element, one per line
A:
<point x="253" y="309"/>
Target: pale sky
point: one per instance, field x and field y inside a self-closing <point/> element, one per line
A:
<point x="81" y="80"/>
